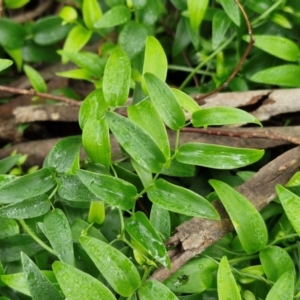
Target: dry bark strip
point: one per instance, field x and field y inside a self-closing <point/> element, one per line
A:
<point x="195" y="235"/>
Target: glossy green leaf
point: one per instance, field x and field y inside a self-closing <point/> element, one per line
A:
<point x="291" y="206"/>
<point x="14" y="4"/>
<point x="276" y="261"/>
<point x="194" y="277"/>
<point x="96" y="141"/>
<point x="144" y="174"/>
<point x="165" y="101"/>
<point x="27" y="186"/>
<point x="16" y="281"/>
<point x="16" y="55"/>
<point x="133" y="46"/>
<point x="92" y="108"/>
<point x="217" y="157"/>
<point x="196" y="11"/>
<point x="140" y="229"/>
<point x="96" y="212"/>
<point x="12" y="34"/>
<point x="155" y="60"/>
<point x="39" y="286"/>
<point x="115" y="267"/>
<point x="185" y="101"/>
<point x="227" y="287"/>
<point x="58" y="232"/>
<point x="222" y="115"/>
<point x="249" y="274"/>
<point x="91" y="11"/>
<point x="115" y="16"/>
<point x="117" y="66"/>
<point x="283" y="288"/>
<point x="143" y="114"/>
<point x="160" y="220"/>
<point x="64" y="154"/>
<point x="28" y="208"/>
<point x="282" y="20"/>
<point x="153" y="290"/>
<point x="220" y="25"/>
<point x="5" y="63"/>
<point x="49" y="30"/>
<point x="284" y="75"/>
<point x="77" y="285"/>
<point x="137" y="142"/>
<point x="181" y="200"/>
<point x="232" y="10"/>
<point x="247" y="221"/>
<point x="276" y="45"/>
<point x="8" y="162"/>
<point x="35" y="79"/>
<point x="112" y="190"/>
<point x="68" y="14"/>
<point x="8" y="227"/>
<point x="76" y="74"/>
<point x="4" y="179"/>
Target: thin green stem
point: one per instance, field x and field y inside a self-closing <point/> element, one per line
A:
<point x="37" y="239"/>
<point x="187" y="69"/>
<point x="177" y="140"/>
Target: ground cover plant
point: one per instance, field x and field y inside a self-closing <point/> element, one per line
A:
<point x="96" y="227"/>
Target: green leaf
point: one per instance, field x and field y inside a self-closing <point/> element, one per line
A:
<point x="160" y="220"/>
<point x="283" y="288"/>
<point x="137" y="142"/>
<point x="276" y="261"/>
<point x="227" y="287"/>
<point x="64" y="154"/>
<point x="143" y="114"/>
<point x="12" y="34"/>
<point x="178" y="169"/>
<point x="27" y="186"/>
<point x="291" y="206"/>
<point x="39" y="286"/>
<point x="222" y="116"/>
<point x="77" y="285"/>
<point x="217" y="157"/>
<point x="115" y="16"/>
<point x="115" y="267"/>
<point x="133" y="46"/>
<point x="49" y="30"/>
<point x="76" y="74"/>
<point x="96" y="212"/>
<point x="185" y="101"/>
<point x="96" y="142"/>
<point x="196" y="11"/>
<point x="14" y="4"/>
<point x="112" y="190"/>
<point x="181" y="200"/>
<point x="8" y="227"/>
<point x="8" y="162"/>
<point x="247" y="221"/>
<point x="221" y="23"/>
<point x="284" y="75"/>
<point x="16" y="281"/>
<point x="16" y="55"/>
<point x="140" y="229"/>
<point x="232" y="10"/>
<point x="155" y="60"/>
<point x="165" y="101"/>
<point x="91" y="11"/>
<point x="68" y="14"/>
<point x="182" y="38"/>
<point x="276" y="45"/>
<point x="144" y="174"/>
<point x="117" y="66"/>
<point x="93" y="107"/>
<point x="28" y="208"/>
<point x="58" y="232"/>
<point x="5" y="63"/>
<point x="153" y="290"/>
<point x="35" y="79"/>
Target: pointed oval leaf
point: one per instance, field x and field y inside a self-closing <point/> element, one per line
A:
<point x="275" y="262"/>
<point x="291" y="206"/>
<point x="217" y="157"/>
<point x="222" y="116"/>
<point x="185" y="101"/>
<point x="160" y="220"/>
<point x="137" y="142"/>
<point x="115" y="267"/>
<point x="117" y="66"/>
<point x="112" y="190"/>
<point x="27" y="186"/>
<point x="35" y="79"/>
<point x="58" y="232"/>
<point x="140" y="229"/>
<point x="91" y="11"/>
<point x="77" y="285"/>
<point x="232" y="10"/>
<point x="76" y="74"/>
<point x="16" y="281"/>
<point x="64" y="154"/>
<point x="12" y="34"/>
<point x="165" y="101"/>
<point x="28" y="208"/>
<point x="247" y="221"/>
<point x="283" y="288"/>
<point x="153" y="290"/>
<point x="227" y="287"/>
<point x="144" y="114"/>
<point x="8" y="162"/>
<point x="144" y="174"/>
<point x="285" y="75"/>
<point x="115" y="16"/>
<point x="8" y="227"/>
<point x="220" y="25"/>
<point x="5" y="63"/>
<point x="276" y="45"/>
<point x="96" y="141"/>
<point x="181" y="200"/>
<point x="39" y="286"/>
<point x="196" y="11"/>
